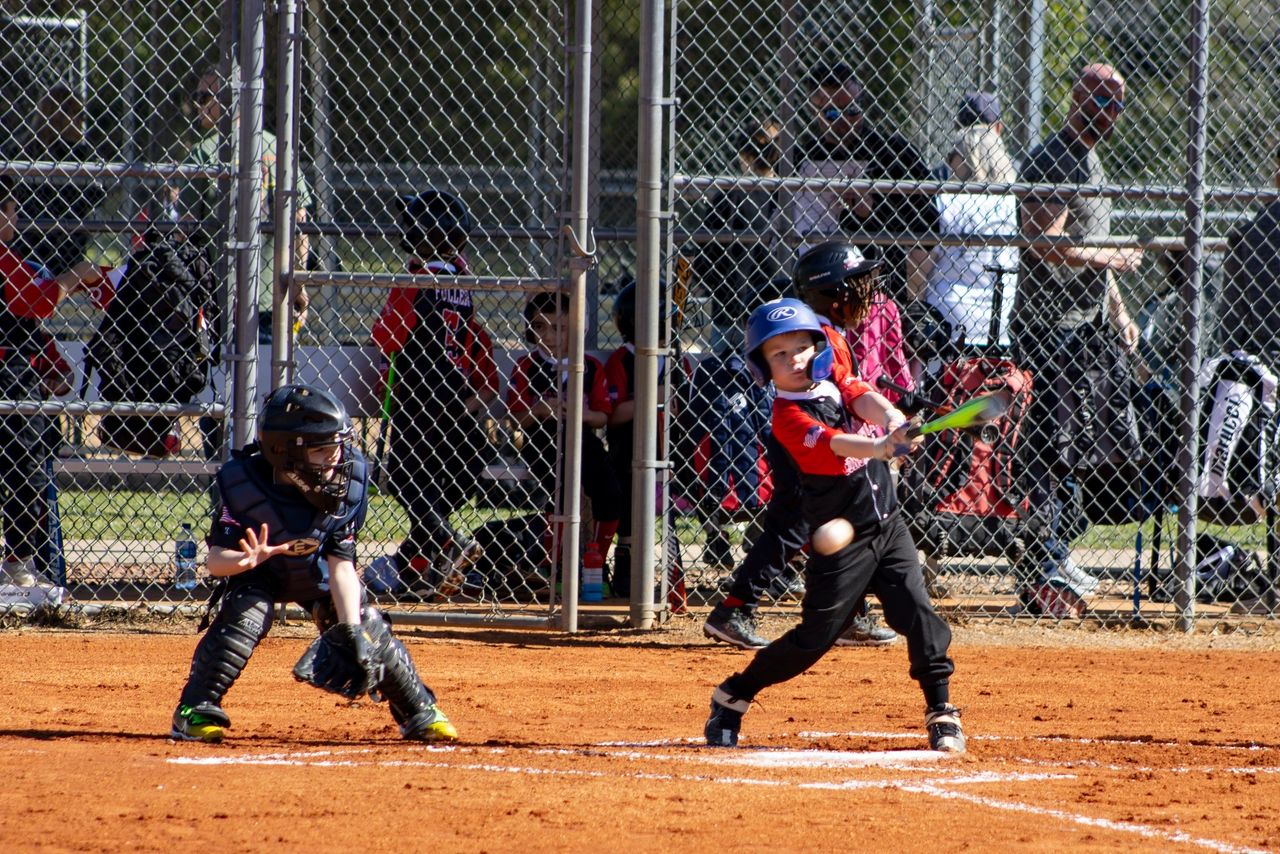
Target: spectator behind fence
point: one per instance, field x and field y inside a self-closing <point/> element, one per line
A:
<point x="58" y="136"/>
<point x="1249" y="300"/>
<point x="844" y="145"/>
<point x="1062" y="291"/>
<point x="728" y="268"/>
<point x="198" y="199"/>
<point x="539" y="381"/>
<point x="29" y="297"/>
<point x="442" y="377"/>
<point x="959" y="280"/>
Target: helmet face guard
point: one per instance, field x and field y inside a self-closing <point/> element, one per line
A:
<point x="296" y="420"/>
<point x="325" y="487"/>
<point x="779" y="318"/>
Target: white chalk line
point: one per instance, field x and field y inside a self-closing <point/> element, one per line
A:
<point x="936" y="786"/>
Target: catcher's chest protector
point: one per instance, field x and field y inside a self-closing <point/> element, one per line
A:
<point x="246" y="488"/>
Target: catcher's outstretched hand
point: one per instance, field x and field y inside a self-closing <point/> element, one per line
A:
<point x="341" y="661"/>
<point x="256" y="549"/>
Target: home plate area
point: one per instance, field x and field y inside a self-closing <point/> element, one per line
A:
<point x="1044" y="779"/>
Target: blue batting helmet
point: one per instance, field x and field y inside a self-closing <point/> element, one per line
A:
<point x="778" y="318"/>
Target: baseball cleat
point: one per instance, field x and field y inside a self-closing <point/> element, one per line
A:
<point x="722" y="725"/>
<point x="204" y="722"/>
<point x="866" y="631"/>
<point x="734" y="626"/>
<point x="945" y="731"/>
<point x="429" y="726"/>
<point x="453" y="567"/>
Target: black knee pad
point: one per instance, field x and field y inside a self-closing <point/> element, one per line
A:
<point x="221" y="655"/>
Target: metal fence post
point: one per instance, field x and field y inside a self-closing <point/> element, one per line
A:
<point x="1193" y="268"/>
<point x="583" y="248"/>
<point x="648" y="294"/>
<point x="284" y="203"/>
<point x="248" y="241"/>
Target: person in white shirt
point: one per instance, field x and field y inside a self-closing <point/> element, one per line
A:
<point x="961" y="281"/>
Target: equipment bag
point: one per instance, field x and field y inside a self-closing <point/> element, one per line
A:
<point x="1237" y="481"/>
<point x="964" y="493"/>
<point x="1225" y="572"/>
<point x="154" y="344"/>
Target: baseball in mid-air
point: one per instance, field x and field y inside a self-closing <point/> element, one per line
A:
<point x="831" y="537"/>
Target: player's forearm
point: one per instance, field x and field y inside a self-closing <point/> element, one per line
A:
<point x="344" y="587"/>
<point x="875" y="408"/>
<point x="859" y="447"/>
<point x="594" y="418"/>
<point x="224" y="562"/>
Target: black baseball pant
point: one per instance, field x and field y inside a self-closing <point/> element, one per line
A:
<point x="783" y="534"/>
<point x="24" y="448"/>
<point x="886" y="559"/>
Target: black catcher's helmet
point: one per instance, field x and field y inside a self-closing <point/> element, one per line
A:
<point x="835" y="273"/>
<point x="436" y="218"/>
<point x="295" y="419"/>
<point x="624" y="308"/>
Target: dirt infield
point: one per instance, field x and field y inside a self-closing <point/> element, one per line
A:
<point x="1078" y="741"/>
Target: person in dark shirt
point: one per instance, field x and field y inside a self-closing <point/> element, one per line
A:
<point x="1251" y="283"/>
<point x="843" y="144"/>
<point x="859" y="539"/>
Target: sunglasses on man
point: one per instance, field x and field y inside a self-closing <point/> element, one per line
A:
<point x="204" y="96"/>
<point x="1105" y="102"/>
<point x="850" y="112"/>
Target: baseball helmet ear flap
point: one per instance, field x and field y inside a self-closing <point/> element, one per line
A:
<point x="436" y="218"/>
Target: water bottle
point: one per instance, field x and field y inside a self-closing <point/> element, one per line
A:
<point x="592" y="576"/>
<point x="184" y="560"/>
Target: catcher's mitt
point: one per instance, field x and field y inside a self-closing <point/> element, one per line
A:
<point x="344" y="660"/>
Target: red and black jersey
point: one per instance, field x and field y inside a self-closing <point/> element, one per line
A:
<point x="29" y="297"/>
<point x="804" y="423"/>
<point x="441" y="343"/>
<point x="536" y="377"/>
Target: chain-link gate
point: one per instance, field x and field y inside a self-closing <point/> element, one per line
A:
<point x="407" y="191"/>
<point x="1010" y="165"/>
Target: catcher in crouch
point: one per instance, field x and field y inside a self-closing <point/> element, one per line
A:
<point x="292" y="506"/>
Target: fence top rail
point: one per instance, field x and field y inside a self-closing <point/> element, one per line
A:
<point x="421" y="282"/>
<point x="80" y="407"/>
<point x="78" y="169"/>
<point x="684" y="183"/>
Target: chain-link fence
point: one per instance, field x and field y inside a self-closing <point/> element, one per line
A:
<point x="405" y="169"/>
<point x="1021" y="172"/>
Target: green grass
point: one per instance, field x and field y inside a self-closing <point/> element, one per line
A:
<point x="100" y="514"/>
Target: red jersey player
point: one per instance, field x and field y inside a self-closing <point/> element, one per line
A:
<point x="859" y="539"/>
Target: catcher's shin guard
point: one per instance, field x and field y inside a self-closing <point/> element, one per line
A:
<point x="412" y="704"/>
<point x="224" y="650"/>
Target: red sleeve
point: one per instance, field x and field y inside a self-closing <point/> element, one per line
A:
<point x="852" y="389"/>
<point x="598" y="393"/>
<point x="518" y="397"/>
<point x="396" y="321"/>
<point x="482" y="370"/>
<point x="615" y="374"/>
<point x="842" y="364"/>
<point x="103" y="291"/>
<point x="25" y="295"/>
<point x="806" y="439"/>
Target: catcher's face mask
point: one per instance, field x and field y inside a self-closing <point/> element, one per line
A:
<point x="320" y="468"/>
